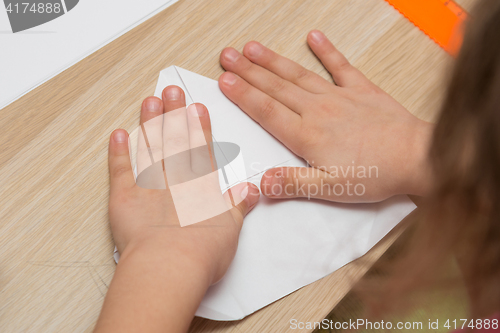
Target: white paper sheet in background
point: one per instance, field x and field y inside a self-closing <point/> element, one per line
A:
<point x="284" y="244"/>
<point x="31" y="57"/>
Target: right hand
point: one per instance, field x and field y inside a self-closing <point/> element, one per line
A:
<point x="335" y="127"/>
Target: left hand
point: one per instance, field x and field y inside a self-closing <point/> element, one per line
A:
<point x="142" y="217"/>
<point x="165" y="268"/>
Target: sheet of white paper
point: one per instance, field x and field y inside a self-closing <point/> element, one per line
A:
<point x="29" y="58"/>
<point x="284" y="244"/>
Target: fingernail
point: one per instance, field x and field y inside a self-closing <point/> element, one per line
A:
<point x="153" y="105"/>
<point x="196" y="110"/>
<point x="231" y="55"/>
<point x="119" y="137"/>
<point x="255" y="49"/>
<point x="173" y="94"/>
<point x="229" y="78"/>
<point x="317" y="37"/>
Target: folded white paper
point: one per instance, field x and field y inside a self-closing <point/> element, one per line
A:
<point x="284" y="244"/>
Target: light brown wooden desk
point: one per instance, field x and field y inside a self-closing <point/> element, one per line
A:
<point x="55" y="243"/>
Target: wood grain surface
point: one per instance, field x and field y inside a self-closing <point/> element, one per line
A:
<point x="55" y="243"/>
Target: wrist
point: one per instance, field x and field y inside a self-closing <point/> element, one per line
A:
<point x="420" y="172"/>
<point x="153" y="289"/>
<point x="167" y="252"/>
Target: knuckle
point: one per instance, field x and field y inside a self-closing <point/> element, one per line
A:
<point x="176" y="142"/>
<point x="243" y="88"/>
<point x="301" y="74"/>
<point x="339" y="61"/>
<point x="245" y="66"/>
<point x="154" y="150"/>
<point x="371" y="89"/>
<point x="324" y="107"/>
<point x="241" y="208"/>
<point x="341" y="64"/>
<point x="267" y="109"/>
<point x="119" y="170"/>
<point x="276" y="86"/>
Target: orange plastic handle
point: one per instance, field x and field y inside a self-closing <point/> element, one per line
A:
<point x="441" y="20"/>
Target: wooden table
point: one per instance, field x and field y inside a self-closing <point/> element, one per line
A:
<point x="55" y="243"/>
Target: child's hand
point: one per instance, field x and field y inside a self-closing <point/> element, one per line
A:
<point x="350" y="126"/>
<point x="165" y="269"/>
<point x="147" y="219"/>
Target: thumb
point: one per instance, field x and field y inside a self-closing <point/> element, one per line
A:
<point x="299" y="182"/>
<point x="242" y="198"/>
<point x="121" y="175"/>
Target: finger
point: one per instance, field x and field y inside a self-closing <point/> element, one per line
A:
<point x="200" y="130"/>
<point x="285" y="68"/>
<point x="149" y="145"/>
<point x="343" y="73"/>
<point x="175" y="128"/>
<point x="282" y="90"/>
<point x="247" y="195"/>
<point x="200" y="139"/>
<point x="152" y="107"/>
<point x="177" y="162"/>
<point x="120" y="169"/>
<point x="273" y="116"/>
<point x="311" y="183"/>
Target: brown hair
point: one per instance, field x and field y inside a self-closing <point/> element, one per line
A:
<point x="462" y="214"/>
